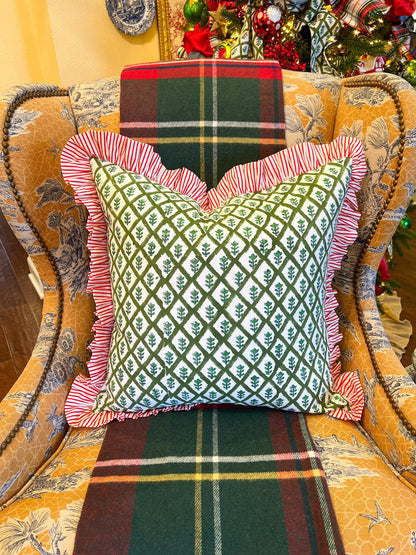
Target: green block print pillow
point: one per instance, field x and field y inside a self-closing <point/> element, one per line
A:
<point x="223" y="304"/>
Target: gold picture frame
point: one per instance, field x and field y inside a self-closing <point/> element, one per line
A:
<point x="170" y="21"/>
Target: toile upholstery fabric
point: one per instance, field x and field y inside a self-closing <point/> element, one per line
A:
<point x="45" y="468"/>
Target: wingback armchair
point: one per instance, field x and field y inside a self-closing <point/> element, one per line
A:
<point x="45" y="467"/>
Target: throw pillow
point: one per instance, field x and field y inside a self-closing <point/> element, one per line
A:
<point x="216" y="297"/>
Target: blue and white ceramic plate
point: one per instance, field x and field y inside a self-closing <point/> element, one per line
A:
<point x="132" y="17"/>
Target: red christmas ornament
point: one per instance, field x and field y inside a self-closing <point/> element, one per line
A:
<point x="229" y="5"/>
<point x="267" y="21"/>
<point x="212" y="5"/>
<point x="384" y="276"/>
<point x="384" y="270"/>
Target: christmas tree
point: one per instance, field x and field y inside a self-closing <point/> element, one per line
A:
<point x="342" y="37"/>
<point x="337" y="37"/>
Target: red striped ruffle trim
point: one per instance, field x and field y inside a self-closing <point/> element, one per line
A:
<point x="141" y="159"/>
<point x="136" y="157"/>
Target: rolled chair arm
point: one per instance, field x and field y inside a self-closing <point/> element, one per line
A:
<point x="40" y="209"/>
<point x="379" y="109"/>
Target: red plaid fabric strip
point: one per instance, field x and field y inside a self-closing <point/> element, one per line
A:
<point x="354" y="12"/>
<point x="110" y="508"/>
<point x="216" y="479"/>
<point x="207" y="115"/>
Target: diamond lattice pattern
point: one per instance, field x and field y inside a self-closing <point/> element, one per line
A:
<point x="224" y="306"/>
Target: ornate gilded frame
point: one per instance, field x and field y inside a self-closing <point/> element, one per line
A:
<point x="170" y="21"/>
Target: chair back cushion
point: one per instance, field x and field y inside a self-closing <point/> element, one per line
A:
<point x="206" y="115"/>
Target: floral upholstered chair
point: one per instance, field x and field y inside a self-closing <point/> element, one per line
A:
<point x="45" y="466"/>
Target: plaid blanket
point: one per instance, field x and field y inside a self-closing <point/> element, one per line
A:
<point x="354" y="12"/>
<point x="225" y="112"/>
<point x="217" y="480"/>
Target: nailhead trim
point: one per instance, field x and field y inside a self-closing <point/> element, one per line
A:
<point x="402" y="135"/>
<point x="5" y="144"/>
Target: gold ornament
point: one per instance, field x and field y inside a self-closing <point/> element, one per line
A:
<point x="219" y="23"/>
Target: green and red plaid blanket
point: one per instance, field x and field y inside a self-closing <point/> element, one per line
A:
<point x="206" y="115"/>
<point x="214" y="480"/>
<point x="355" y="12"/>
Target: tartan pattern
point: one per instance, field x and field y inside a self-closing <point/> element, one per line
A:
<point x="404" y="38"/>
<point x="215" y="480"/>
<point x="223" y="306"/>
<point x="200" y="104"/>
<point x="354" y="12"/>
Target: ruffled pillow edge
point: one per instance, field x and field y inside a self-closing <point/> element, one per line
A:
<point x="141" y="158"/>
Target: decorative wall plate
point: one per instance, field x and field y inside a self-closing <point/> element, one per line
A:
<point x="132" y="17"/>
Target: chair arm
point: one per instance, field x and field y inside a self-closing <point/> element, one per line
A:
<point x="32" y="422"/>
<point x="389" y="414"/>
<point x="37" y="121"/>
<point x="379" y="109"/>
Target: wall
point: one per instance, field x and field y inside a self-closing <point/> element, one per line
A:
<point x="63" y="42"/>
<point x="13" y="60"/>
